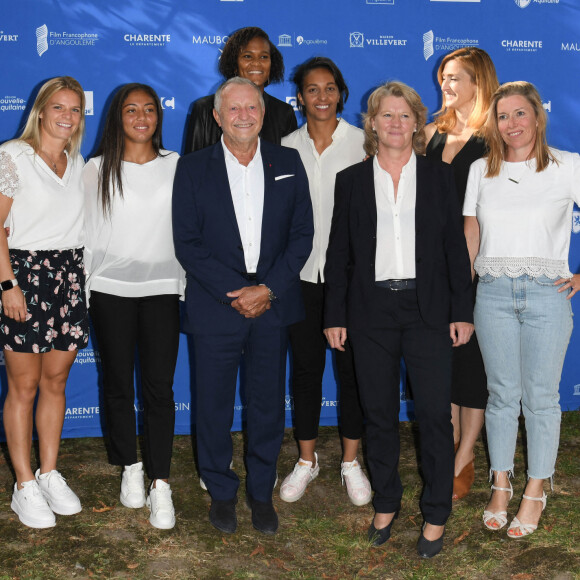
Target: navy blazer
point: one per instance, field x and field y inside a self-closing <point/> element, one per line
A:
<point x="209" y="247"/>
<point x="443" y="271"/>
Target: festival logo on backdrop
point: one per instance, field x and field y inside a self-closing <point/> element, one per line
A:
<point x="293" y="102"/>
<point x="526" y="3"/>
<point x="285" y="41"/>
<point x="386" y="2"/>
<point x="167" y="102"/>
<point x="73" y="413"/>
<point x="433" y="43"/>
<point x="210" y="39"/>
<point x="358" y="40"/>
<point x="571" y="46"/>
<point x="519" y="45"/>
<point x="10" y="103"/>
<point x="147" y="39"/>
<point x="89" y="107"/>
<point x="46" y="39"/>
<point x="428" y="50"/>
<point x="4" y="37"/>
<point x="576" y="221"/>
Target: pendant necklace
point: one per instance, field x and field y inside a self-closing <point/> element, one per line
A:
<point x="54" y="168"/>
<point x="512" y="179"/>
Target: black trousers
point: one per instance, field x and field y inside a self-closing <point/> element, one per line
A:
<point x="150" y="324"/>
<point x="308" y="361"/>
<point x="398" y="330"/>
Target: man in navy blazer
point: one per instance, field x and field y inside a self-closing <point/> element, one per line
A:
<point x="243" y="228"/>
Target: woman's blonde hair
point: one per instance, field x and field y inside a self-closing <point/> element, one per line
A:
<point x="419" y="110"/>
<point x="497" y="147"/>
<point x="31" y="132"/>
<point x="480" y="68"/>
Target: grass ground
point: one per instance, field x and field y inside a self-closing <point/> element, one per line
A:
<point x="320" y="536"/>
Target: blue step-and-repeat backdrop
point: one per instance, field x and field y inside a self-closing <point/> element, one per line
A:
<point x="175" y="45"/>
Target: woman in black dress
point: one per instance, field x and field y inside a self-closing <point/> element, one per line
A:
<point x="249" y="54"/>
<point x="468" y="80"/>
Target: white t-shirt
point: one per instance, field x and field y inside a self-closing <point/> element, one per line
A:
<point x="47" y="211"/>
<point x="345" y="150"/>
<point x="524" y="226"/>
<point x="130" y="253"/>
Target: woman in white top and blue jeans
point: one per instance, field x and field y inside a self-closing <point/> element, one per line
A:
<point x="518" y="208"/>
<point x="134" y="285"/>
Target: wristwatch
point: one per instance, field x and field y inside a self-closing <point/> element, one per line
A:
<point x="271" y="295"/>
<point x="8" y="284"/>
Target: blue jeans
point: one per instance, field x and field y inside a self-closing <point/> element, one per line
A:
<point x="523" y="326"/>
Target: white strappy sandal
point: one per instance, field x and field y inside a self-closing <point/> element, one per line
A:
<point x="526" y="529"/>
<point x="499" y="517"/>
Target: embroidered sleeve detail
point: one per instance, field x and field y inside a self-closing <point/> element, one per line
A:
<point x="516" y="267"/>
<point x="8" y="175"/>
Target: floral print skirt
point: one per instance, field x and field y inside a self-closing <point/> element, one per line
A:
<point x="52" y="282"/>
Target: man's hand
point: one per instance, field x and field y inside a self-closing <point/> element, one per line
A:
<point x="460" y="332"/>
<point x="336" y="337"/>
<point x="251" y="301"/>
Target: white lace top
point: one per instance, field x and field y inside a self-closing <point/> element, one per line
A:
<point x="47" y="210"/>
<point x="525" y="218"/>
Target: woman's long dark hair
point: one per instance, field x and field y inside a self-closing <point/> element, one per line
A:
<point x="112" y="145"/>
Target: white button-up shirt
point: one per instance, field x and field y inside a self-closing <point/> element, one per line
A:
<point x="395" y="253"/>
<point x="346" y="149"/>
<point x="247" y="188"/>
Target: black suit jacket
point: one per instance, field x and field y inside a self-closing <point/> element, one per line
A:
<point x="203" y="131"/>
<point x="442" y="262"/>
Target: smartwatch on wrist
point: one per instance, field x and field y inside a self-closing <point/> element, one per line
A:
<point x="8" y="284"/>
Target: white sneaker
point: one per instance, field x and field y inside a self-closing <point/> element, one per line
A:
<point x="30" y="506"/>
<point x="295" y="484"/>
<point x="133" y="486"/>
<point x="161" y="506"/>
<point x="60" y="497"/>
<point x="357" y="483"/>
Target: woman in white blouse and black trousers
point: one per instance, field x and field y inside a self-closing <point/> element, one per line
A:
<point x="134" y="285"/>
<point x="518" y="208"/>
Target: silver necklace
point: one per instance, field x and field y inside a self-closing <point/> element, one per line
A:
<point x="54" y="168"/>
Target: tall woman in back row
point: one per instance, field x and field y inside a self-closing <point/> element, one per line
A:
<point x="249" y="54"/>
<point x="468" y="80"/>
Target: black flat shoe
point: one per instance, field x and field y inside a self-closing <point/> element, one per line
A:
<point x="264" y="516"/>
<point x="379" y="537"/>
<point x="429" y="548"/>
<point x="222" y="515"/>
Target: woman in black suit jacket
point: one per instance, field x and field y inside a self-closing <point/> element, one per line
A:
<point x="249" y="54"/>
<point x="398" y="277"/>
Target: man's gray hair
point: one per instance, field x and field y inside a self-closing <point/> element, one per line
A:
<point x="217" y="100"/>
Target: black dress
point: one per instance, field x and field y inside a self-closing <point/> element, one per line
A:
<point x="203" y="131"/>
<point x="469" y="386"/>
